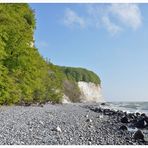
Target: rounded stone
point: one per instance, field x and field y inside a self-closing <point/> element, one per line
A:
<point x="124" y="119"/>
<point x="58" y="129"/>
<point x="138" y="135"/>
<point x="86" y="116"/>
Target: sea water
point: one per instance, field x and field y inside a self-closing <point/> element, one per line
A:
<point x="129" y="107"/>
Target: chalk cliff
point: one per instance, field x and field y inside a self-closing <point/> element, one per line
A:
<point x="89" y="92"/>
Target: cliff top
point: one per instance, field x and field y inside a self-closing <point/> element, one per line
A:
<point x="80" y="74"/>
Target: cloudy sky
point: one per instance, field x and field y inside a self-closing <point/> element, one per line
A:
<point x="110" y="39"/>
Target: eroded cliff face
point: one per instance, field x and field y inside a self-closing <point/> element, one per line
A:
<point x="90" y="92"/>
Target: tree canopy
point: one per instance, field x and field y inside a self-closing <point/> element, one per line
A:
<point x="80" y="74"/>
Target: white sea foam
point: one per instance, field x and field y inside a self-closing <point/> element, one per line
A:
<point x="129" y="107"/>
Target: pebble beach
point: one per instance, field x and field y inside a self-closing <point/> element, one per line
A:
<point x="69" y="124"/>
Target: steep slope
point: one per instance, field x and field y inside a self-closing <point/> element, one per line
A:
<point x="25" y="77"/>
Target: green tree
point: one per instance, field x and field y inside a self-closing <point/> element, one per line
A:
<point x="24" y="73"/>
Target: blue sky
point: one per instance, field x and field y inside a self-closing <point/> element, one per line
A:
<point x="109" y="39"/>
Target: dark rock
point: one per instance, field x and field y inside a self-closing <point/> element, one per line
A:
<point x="138" y="135"/>
<point x="143" y="115"/>
<point x="119" y="113"/>
<point x="109" y="112"/>
<point x="124" y="119"/>
<point x="123" y="127"/>
<point x="103" y="104"/>
<point x="134" y="121"/>
<point x="131" y="116"/>
<point x="137" y="114"/>
<point x="146" y="120"/>
<point x="140" y="123"/>
<point x="98" y="110"/>
<point x="88" y="120"/>
<point x="106" y="111"/>
<point x="125" y="113"/>
<point x="27" y="104"/>
<point x="113" y="112"/>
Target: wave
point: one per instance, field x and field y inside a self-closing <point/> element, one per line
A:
<point x="129" y="106"/>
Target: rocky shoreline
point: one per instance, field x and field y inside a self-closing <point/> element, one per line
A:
<point x="71" y="124"/>
<point x="136" y="123"/>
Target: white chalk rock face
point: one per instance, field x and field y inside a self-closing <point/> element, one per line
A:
<point x="90" y="92"/>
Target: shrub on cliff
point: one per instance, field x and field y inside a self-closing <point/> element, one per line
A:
<point x="24" y="74"/>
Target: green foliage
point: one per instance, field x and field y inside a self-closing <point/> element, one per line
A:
<point x="25" y="77"/>
<point x="24" y="74"/>
<point x="9" y="93"/>
<point x="80" y="74"/>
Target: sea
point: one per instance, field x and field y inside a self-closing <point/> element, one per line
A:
<point x="129" y="107"/>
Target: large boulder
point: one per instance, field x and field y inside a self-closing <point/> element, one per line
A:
<point x="140" y="123"/>
<point x="138" y="135"/>
<point x="124" y="119"/>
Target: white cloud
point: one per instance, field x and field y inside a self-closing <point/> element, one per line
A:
<point x="111" y="27"/>
<point x="113" y="17"/>
<point x="71" y="18"/>
<point x="128" y="14"/>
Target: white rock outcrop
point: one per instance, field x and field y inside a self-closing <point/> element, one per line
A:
<point x="90" y="92"/>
